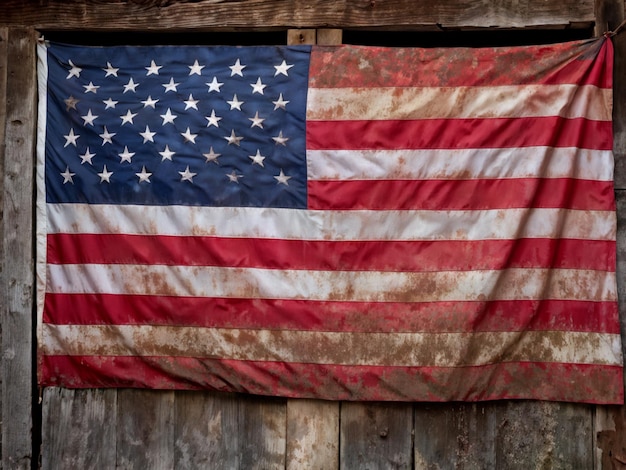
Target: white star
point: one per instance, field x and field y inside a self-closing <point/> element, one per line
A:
<point x="149" y="102"/>
<point x="258" y="86"/>
<point x="237" y="69"/>
<point x="128" y="117"/>
<point x="110" y="70"/>
<point x="187" y="175"/>
<point x="147" y="135"/>
<point x="214" y="85"/>
<point x="168" y="117"/>
<point x="144" y="175"/>
<point x="189" y="137"/>
<point x="234" y="177"/>
<point x="213" y="119"/>
<point x="71" y="103"/>
<point x="171" y="86"/>
<point x="105" y="175"/>
<point x="126" y="156"/>
<point x="91" y="88"/>
<point x="280" y="103"/>
<point x="153" y="69"/>
<point x="282" y="68"/>
<point x="191" y="103"/>
<point x="258" y="158"/>
<point x="87" y="156"/>
<point x="256" y="121"/>
<point x="282" y="178"/>
<point x="74" y="71"/>
<point x="110" y="103"/>
<point x="71" y="138"/>
<point x="166" y="154"/>
<point x="130" y="86"/>
<point x="107" y="136"/>
<point x="233" y="139"/>
<point x="67" y="175"/>
<point x="211" y="156"/>
<point x="235" y="103"/>
<point x="196" y="68"/>
<point x="89" y="118"/>
<point x="280" y="139"/>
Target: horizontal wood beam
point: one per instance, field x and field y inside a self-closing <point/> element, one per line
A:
<point x="233" y="15"/>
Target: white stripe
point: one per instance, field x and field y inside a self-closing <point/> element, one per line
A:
<point x="531" y="162"/>
<point x="295" y="224"/>
<point x="357" y="286"/>
<point x="41" y="227"/>
<point x="569" y="101"/>
<point x="375" y="349"/>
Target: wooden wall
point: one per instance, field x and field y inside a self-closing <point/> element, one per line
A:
<point x="145" y="429"/>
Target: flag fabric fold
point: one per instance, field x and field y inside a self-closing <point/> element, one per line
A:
<point x="343" y="222"/>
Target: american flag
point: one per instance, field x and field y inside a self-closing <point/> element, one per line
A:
<point x="340" y="222"/>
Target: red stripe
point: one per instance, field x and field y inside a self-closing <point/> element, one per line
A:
<point x="547" y="315"/>
<point x="585" y="62"/>
<point x="460" y="134"/>
<point x="441" y="255"/>
<point x="539" y="381"/>
<point x="473" y="194"/>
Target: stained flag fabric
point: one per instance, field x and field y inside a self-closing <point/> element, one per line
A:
<point x="343" y="222"/>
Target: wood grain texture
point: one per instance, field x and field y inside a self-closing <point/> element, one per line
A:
<point x="455" y="435"/>
<point x="263" y="431"/>
<point x="4" y="36"/>
<point x="207" y="430"/>
<point x="18" y="256"/>
<point x="264" y="15"/>
<point x="312" y="434"/>
<point x="300" y="36"/>
<point x="79" y="429"/>
<point x="145" y="429"/>
<point x="376" y="436"/>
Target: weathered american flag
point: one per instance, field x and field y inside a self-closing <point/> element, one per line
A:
<point x="335" y="222"/>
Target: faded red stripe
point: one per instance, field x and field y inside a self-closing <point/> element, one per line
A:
<point x="435" y="317"/>
<point x="475" y="194"/>
<point x="539" y="381"/>
<point x="583" y="62"/>
<point x="460" y="134"/>
<point x="432" y="255"/>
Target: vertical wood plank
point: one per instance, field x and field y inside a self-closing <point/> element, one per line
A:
<point x="544" y="435"/>
<point x="455" y="436"/>
<point x="79" y="429"/>
<point x="145" y="429"/>
<point x="207" y="430"/>
<point x="610" y="437"/>
<point x="329" y="37"/>
<point x="4" y="35"/>
<point x="300" y="36"/>
<point x="263" y="430"/>
<point x="376" y="436"/>
<point x="18" y="257"/>
<point x="312" y="434"/>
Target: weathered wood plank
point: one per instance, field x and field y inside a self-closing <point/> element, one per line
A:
<point x="455" y="436"/>
<point x="18" y="256"/>
<point x="312" y="434"/>
<point x="145" y="429"/>
<point x="329" y="37"/>
<point x="300" y="36"/>
<point x="263" y="431"/>
<point x="610" y="437"/>
<point x="215" y="430"/>
<point x="544" y="435"/>
<point x="207" y="430"/>
<point x="264" y="15"/>
<point x="79" y="429"/>
<point x="4" y="36"/>
<point x="376" y="436"/>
